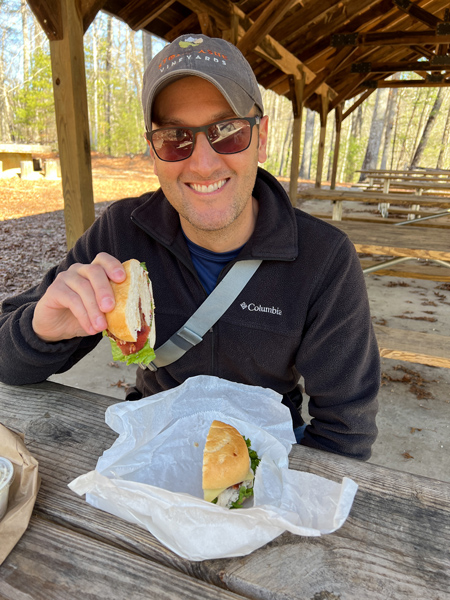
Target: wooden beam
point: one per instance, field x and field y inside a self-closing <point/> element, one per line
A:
<point x="353" y="85"/>
<point x="411" y="83"/>
<point x="208" y="25"/>
<point x="232" y="34"/>
<point x="355" y="105"/>
<point x="323" y="130"/>
<point x="138" y="14"/>
<point x="418" y="13"/>
<point x="270" y="16"/>
<point x="389" y="38"/>
<point x="69" y="89"/>
<point x="396" y="67"/>
<point x="269" y="49"/>
<point x="48" y="14"/>
<point x="339" y="57"/>
<point x="337" y="142"/>
<point x="89" y="10"/>
<point x="297" y="86"/>
<point x="187" y="24"/>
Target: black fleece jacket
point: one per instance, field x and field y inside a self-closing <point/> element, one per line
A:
<point x="305" y="312"/>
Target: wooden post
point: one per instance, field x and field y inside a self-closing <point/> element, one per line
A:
<point x="337" y="205"/>
<point x="297" y="84"/>
<point x="323" y="131"/>
<point x="337" y="142"/>
<point x="69" y="89"/>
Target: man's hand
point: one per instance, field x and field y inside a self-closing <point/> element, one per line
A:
<point x="75" y="303"/>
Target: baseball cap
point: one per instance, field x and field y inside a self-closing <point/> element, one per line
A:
<point x="214" y="59"/>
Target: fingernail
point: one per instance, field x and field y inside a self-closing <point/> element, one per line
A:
<point x="119" y="274"/>
<point x="100" y="323"/>
<point x="107" y="304"/>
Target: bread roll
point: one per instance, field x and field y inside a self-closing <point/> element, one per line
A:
<point x="133" y="297"/>
<point x="225" y="459"/>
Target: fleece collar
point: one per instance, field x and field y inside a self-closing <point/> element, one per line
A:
<point x="275" y="236"/>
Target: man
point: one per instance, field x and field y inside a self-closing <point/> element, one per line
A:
<point x="303" y="313"/>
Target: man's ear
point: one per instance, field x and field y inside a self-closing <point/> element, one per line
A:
<point x="263" y="131"/>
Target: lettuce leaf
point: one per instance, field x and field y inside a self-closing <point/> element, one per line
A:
<point x="244" y="493"/>
<point x="144" y="356"/>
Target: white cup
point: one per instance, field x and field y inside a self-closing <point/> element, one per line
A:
<point x="6" y="479"/>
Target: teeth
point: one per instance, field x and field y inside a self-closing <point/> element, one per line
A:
<point x="206" y="189"/>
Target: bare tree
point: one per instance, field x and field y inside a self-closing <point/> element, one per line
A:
<point x="26" y="39"/>
<point x="4" y="102"/>
<point x="391" y="112"/>
<point x="428" y="128"/>
<point x="147" y="47"/>
<point x="445" y="134"/>
<point x="305" y="167"/>
<point x="376" y="131"/>
<point x="108" y="69"/>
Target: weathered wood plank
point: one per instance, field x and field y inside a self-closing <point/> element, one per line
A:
<point x="407" y="240"/>
<point x="413" y="346"/>
<point x="394" y="544"/>
<point x="51" y="561"/>
<point x="370" y="197"/>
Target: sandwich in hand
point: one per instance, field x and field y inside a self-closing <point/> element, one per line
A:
<point x="229" y="466"/>
<point x="131" y="324"/>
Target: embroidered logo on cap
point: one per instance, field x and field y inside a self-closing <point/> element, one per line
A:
<point x="190" y="41"/>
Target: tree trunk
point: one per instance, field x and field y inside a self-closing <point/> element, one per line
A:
<point x="403" y="149"/>
<point x="284" y="150"/>
<point x="147" y="47"/>
<point x="95" y="69"/>
<point x="428" y="128"/>
<point x="391" y="112"/>
<point x="376" y="131"/>
<point x="440" y="160"/>
<point x="305" y="167"/>
<point x="5" y="135"/>
<point x="108" y="65"/>
<point x="26" y="40"/>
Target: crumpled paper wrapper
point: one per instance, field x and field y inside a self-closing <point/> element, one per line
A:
<point x="22" y="493"/>
<point x="152" y="474"/>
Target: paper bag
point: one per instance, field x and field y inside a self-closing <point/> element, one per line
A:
<point x="152" y="475"/>
<point x="22" y="493"/>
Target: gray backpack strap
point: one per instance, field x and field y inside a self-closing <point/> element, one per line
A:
<point x="206" y="314"/>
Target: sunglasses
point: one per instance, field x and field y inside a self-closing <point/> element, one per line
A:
<point x="230" y="136"/>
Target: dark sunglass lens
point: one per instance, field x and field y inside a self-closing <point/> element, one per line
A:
<point x="172" y="144"/>
<point x="230" y="137"/>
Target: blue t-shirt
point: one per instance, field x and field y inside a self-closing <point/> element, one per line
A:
<point x="209" y="264"/>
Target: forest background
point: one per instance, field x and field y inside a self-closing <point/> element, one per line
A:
<point x="393" y="129"/>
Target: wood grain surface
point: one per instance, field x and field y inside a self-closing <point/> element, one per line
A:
<point x="393" y="545"/>
<point x="52" y="562"/>
<point x="372" y="197"/>
<point x="369" y="238"/>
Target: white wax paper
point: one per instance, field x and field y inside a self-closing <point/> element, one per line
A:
<point x="152" y="474"/>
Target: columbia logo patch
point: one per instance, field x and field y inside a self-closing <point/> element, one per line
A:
<point x="252" y="307"/>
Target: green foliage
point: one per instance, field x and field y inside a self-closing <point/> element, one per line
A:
<point x="34" y="100"/>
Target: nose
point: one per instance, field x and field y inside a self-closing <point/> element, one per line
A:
<point x="204" y="160"/>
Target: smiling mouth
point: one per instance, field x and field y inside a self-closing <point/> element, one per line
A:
<point x="207" y="189"/>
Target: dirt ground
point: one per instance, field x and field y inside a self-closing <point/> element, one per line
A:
<point x="414" y="415"/>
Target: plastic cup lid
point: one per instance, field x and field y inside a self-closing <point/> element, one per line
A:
<point x="6" y="472"/>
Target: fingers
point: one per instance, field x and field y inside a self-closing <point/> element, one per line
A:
<point x="76" y="302"/>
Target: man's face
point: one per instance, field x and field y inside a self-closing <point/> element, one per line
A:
<point x="211" y="192"/>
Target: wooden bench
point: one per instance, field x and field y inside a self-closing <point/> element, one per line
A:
<point x="337" y="196"/>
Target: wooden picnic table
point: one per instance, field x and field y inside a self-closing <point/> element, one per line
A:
<point x="339" y="195"/>
<point x="393" y="545"/>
